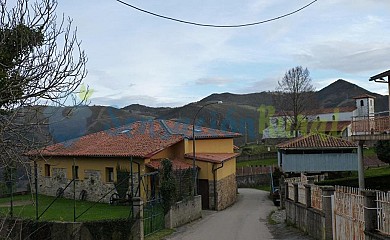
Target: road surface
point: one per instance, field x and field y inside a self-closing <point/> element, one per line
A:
<point x="245" y="220"/>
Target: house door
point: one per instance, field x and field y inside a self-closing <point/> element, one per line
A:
<point x="203" y="190"/>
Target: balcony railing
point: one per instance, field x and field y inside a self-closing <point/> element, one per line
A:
<point x="370" y="125"/>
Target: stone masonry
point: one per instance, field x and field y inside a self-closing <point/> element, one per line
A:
<point x="93" y="184"/>
<point x="226" y="192"/>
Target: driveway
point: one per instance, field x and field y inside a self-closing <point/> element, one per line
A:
<point x="245" y="220"/>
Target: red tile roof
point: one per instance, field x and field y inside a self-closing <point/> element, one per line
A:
<point x="316" y="141"/>
<point x="200" y="132"/>
<point x="334" y="110"/>
<point x="177" y="164"/>
<point x="139" y="139"/>
<point x="364" y="96"/>
<point x="212" y="157"/>
<point x="326" y="126"/>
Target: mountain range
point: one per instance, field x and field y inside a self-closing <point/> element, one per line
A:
<point x="239" y="112"/>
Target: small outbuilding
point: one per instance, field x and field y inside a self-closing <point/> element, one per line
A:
<point x="317" y="153"/>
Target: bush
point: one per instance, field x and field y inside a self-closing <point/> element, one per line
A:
<point x="3" y="189"/>
<point x="382" y="149"/>
<point x="168" y="185"/>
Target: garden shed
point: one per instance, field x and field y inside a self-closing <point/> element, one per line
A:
<point x="317" y="153"/>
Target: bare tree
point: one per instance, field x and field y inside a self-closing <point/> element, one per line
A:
<point x="41" y="63"/>
<point x="294" y="97"/>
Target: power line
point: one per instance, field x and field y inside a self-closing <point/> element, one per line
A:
<point x="216" y="26"/>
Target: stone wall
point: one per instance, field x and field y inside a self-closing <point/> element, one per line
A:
<point x="309" y="220"/>
<point x="184" y="212"/>
<point x="93" y="184"/>
<point x="267" y="155"/>
<point x="250" y="181"/>
<point x="226" y="192"/>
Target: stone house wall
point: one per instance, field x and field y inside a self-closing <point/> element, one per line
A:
<point x="226" y="191"/>
<point x="96" y="188"/>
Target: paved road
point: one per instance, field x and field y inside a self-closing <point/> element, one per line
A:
<point x="245" y="220"/>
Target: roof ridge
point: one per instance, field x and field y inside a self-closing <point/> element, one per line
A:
<point x="319" y="140"/>
<point x="165" y="126"/>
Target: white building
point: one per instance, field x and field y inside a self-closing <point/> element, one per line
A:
<point x="330" y="121"/>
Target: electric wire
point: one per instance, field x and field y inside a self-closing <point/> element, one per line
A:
<point x="213" y="25"/>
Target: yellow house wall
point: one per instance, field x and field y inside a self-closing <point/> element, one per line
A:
<point x="229" y="167"/>
<point x="205" y="170"/>
<point x="176" y="150"/>
<point x="224" y="145"/>
<point x="99" y="164"/>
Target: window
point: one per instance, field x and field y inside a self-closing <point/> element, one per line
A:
<point x="361" y="103"/>
<point x="75" y="172"/>
<point x="109" y="174"/>
<point x="47" y="170"/>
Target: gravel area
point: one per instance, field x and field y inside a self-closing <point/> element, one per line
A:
<point x="280" y="230"/>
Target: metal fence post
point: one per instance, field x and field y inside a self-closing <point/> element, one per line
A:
<point x="36" y="190"/>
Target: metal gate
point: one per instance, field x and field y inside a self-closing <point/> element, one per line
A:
<point x="348" y="214"/>
<point x="153" y="208"/>
<point x="153" y="217"/>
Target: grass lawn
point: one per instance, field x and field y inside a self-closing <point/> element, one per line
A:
<point x="377" y="172"/>
<point x="373" y="172"/>
<point x="369" y="152"/>
<point x="263" y="162"/>
<point x="375" y="178"/>
<point x="62" y="209"/>
<point x="257" y="148"/>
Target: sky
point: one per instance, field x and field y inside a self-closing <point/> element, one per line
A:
<point x="136" y="58"/>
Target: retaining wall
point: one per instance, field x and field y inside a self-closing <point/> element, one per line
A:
<point x="255" y="180"/>
<point x="184" y="212"/>
<point x="32" y="230"/>
<point x="309" y="220"/>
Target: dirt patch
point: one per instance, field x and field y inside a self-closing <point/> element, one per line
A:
<point x="16" y="203"/>
<point x="373" y="161"/>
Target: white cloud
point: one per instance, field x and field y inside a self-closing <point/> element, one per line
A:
<point x="267" y="84"/>
<point x="349" y="57"/>
<point x="137" y="58"/>
<point x="219" y="81"/>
